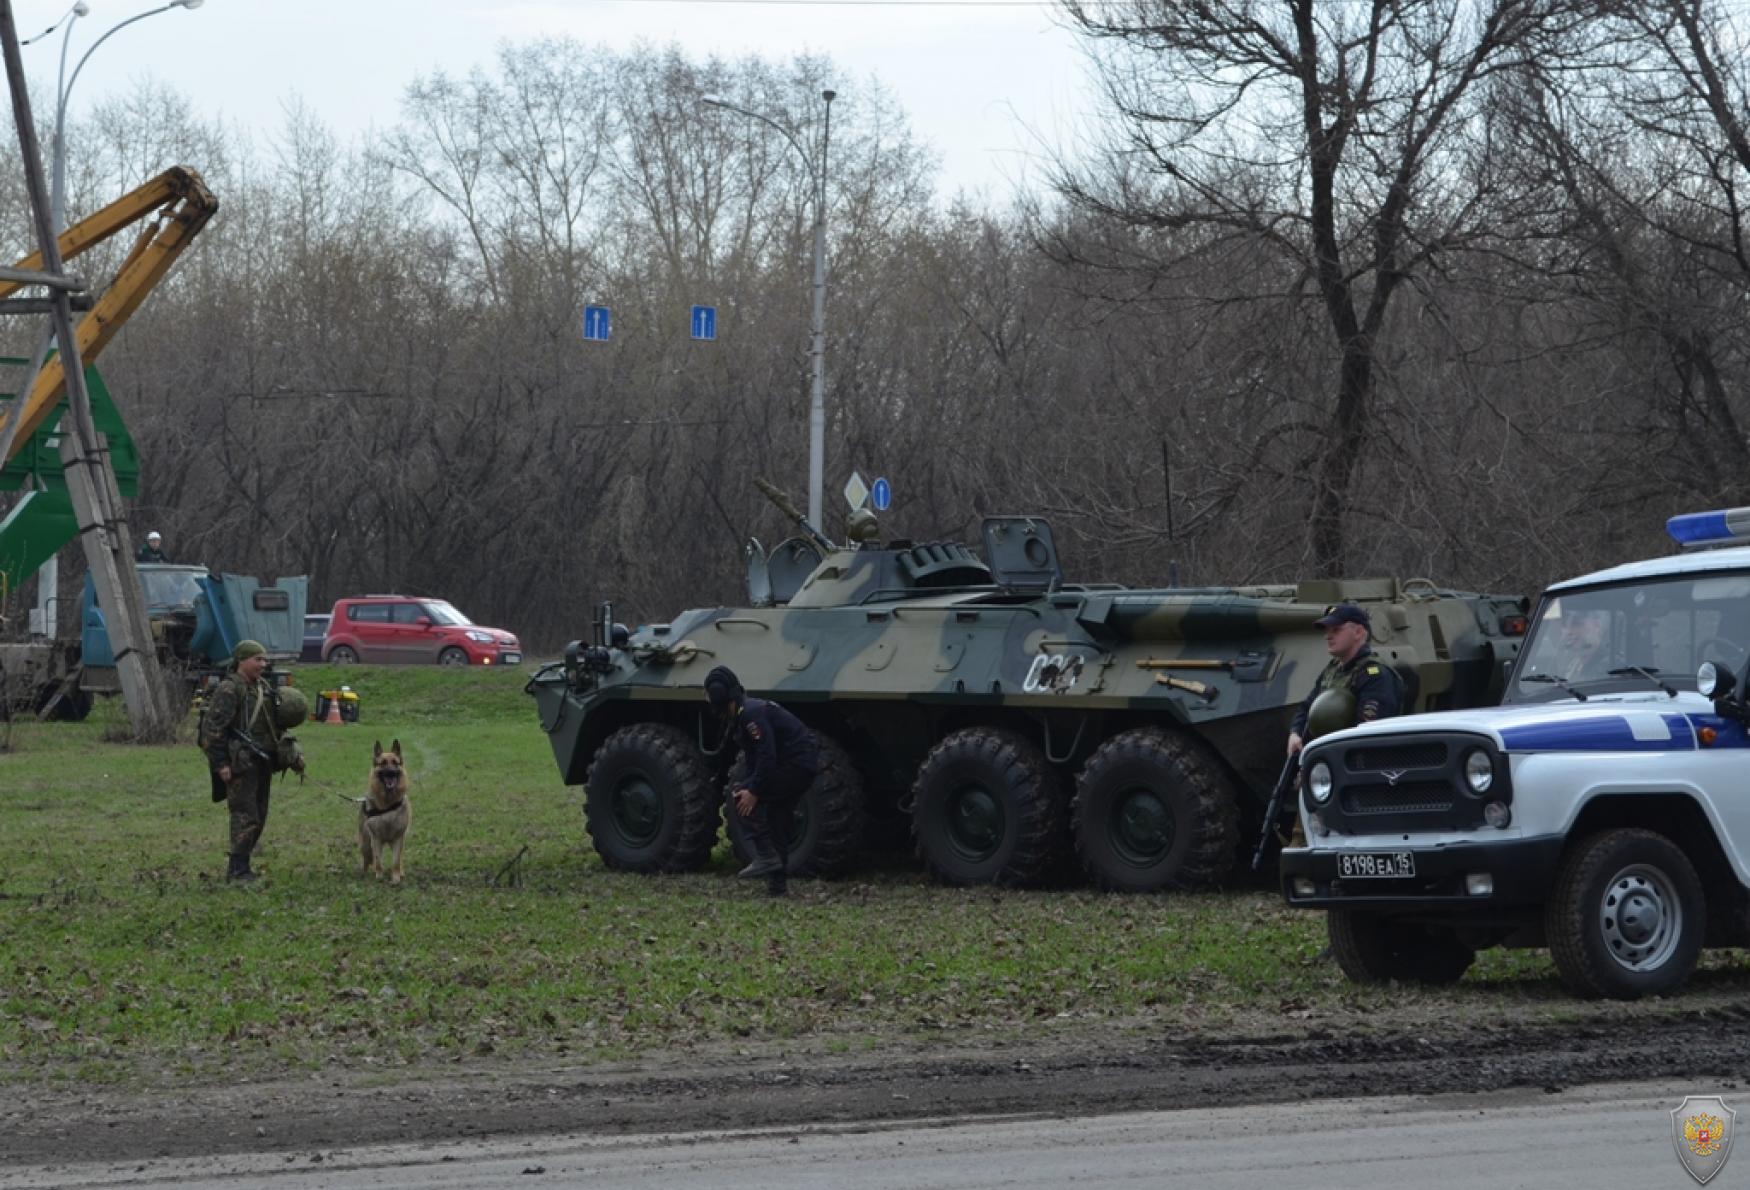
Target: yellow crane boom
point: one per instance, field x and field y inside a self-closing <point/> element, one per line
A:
<point x="181" y="204"/>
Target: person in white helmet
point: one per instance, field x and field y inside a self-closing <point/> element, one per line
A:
<point x="153" y="550"/>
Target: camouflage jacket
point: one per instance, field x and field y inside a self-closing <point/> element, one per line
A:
<point x="246" y="706"/>
<point x="1377" y="689"/>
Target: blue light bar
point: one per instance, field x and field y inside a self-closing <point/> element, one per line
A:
<point x="1721" y="527"/>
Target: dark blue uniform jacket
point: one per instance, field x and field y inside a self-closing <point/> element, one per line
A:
<point x="772" y="738"/>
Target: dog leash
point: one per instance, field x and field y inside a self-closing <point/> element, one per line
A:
<point x="363" y="803"/>
<point x="324" y="787"/>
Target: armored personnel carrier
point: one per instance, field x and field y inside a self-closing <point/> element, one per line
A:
<point x="1008" y="719"/>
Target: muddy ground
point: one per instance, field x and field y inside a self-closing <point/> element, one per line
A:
<point x="1071" y="1072"/>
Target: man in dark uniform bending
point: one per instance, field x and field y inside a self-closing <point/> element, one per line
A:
<point x="781" y="761"/>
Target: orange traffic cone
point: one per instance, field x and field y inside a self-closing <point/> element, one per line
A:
<point x="333" y="711"/>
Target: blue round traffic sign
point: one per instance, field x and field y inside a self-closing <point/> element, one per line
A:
<point x="881" y="495"/>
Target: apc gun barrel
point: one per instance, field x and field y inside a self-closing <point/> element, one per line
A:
<point x="788" y="507"/>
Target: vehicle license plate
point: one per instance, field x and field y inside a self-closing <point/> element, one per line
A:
<point x="512" y="658"/>
<point x="1390" y="865"/>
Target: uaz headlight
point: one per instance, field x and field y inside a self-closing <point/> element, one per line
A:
<point x="1318" y="783"/>
<point x="1479" y="771"/>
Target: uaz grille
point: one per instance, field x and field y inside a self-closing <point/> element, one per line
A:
<point x="1409" y="797"/>
<point x="1386" y="758"/>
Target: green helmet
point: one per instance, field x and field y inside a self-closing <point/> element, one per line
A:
<point x="294" y="708"/>
<point x="1331" y="711"/>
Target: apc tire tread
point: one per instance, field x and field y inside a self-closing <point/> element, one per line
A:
<point x="1372" y="948"/>
<point x="1204" y="801"/>
<point x="1577" y="945"/>
<point x="836" y="817"/>
<point x="666" y="757"/>
<point x="1033" y="804"/>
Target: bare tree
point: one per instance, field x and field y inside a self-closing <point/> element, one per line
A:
<point x="1332" y="133"/>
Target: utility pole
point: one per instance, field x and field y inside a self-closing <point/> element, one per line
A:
<point x="103" y="527"/>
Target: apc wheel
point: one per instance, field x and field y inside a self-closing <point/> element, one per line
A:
<point x="987" y="809"/>
<point x="1153" y="811"/>
<point x="1373" y="948"/>
<point x="826" y="837"/>
<point x="342" y="655"/>
<point x="1627" y="916"/>
<point x="453" y="656"/>
<point x="649" y="804"/>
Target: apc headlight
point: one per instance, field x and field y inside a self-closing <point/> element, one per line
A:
<point x="1318" y="783"/>
<point x="1479" y="771"/>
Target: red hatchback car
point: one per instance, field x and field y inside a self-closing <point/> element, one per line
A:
<point x="410" y="630"/>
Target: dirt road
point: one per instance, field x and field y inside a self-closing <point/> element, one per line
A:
<point x="1609" y="1137"/>
<point x="1075" y="1074"/>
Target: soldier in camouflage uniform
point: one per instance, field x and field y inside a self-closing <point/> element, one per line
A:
<point x="1353" y="667"/>
<point x="243" y="702"/>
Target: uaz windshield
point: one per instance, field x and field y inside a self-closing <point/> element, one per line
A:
<point x="1634" y="636"/>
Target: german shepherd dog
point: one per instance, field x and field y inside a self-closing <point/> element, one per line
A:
<point x="386" y="813"/>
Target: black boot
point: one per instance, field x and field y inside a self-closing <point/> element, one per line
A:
<point x="765" y="860"/>
<point x="239" y="872"/>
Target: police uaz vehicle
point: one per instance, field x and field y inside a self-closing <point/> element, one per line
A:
<point x="1603" y="810"/>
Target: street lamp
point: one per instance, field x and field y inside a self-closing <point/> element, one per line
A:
<point x="817" y="340"/>
<point x="57" y="191"/>
<point x="49" y="573"/>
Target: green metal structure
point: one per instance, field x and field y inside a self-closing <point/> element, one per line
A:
<point x="42" y="520"/>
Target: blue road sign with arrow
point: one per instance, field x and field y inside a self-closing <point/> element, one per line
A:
<point x="881" y="495"/>
<point x="704" y="322"/>
<point x="598" y="323"/>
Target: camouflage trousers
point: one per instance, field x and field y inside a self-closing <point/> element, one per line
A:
<point x="246" y="797"/>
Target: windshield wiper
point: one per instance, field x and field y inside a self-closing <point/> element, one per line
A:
<point x="1652" y="675"/>
<point x="1562" y="682"/>
<point x="1556" y="681"/>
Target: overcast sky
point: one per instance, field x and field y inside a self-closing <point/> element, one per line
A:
<point x="980" y="79"/>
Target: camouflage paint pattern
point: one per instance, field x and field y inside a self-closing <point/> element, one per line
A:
<point x="889" y="649"/>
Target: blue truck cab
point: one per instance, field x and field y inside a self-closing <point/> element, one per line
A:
<point x="1603" y="810"/>
<point x="197" y="618"/>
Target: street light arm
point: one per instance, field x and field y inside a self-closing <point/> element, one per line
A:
<point x="813" y="174"/>
<point x="113" y="30"/>
<point x="64" y="90"/>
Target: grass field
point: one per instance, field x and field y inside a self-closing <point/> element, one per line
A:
<point x="123" y="953"/>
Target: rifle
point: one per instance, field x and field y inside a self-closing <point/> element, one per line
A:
<point x="1272" y="812"/>
<point x="254" y="745"/>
